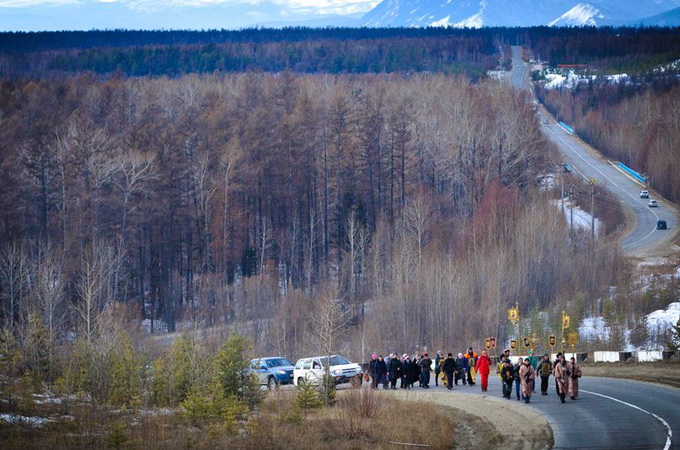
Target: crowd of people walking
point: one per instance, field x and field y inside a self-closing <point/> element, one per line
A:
<point x="519" y="376"/>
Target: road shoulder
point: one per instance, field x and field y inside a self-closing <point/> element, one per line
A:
<point x="513" y="424"/>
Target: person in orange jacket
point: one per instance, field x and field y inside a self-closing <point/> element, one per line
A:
<point x="483" y="367"/>
<point x="471" y="358"/>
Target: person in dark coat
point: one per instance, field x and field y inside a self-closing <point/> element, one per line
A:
<point x="408" y="370"/>
<point x="449" y="367"/>
<point x="394" y="370"/>
<point x="507" y="377"/>
<point x="380" y="373"/>
<point x="544" y="370"/>
<point x="425" y="365"/>
<point x="371" y="370"/>
<point x="461" y="369"/>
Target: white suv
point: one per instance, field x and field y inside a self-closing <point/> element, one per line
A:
<point x="644" y="194"/>
<point x="311" y="370"/>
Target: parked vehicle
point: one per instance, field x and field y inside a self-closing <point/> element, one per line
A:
<point x="312" y="370"/>
<point x="661" y="225"/>
<point x="272" y="371"/>
<point x="644" y="194"/>
<point x="653" y="203"/>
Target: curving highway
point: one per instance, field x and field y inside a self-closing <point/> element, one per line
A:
<point x="609" y="413"/>
<point x="640" y="238"/>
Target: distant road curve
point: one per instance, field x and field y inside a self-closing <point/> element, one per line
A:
<point x="641" y="237"/>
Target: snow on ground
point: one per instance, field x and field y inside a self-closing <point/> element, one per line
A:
<point x="662" y="320"/>
<point x="36" y="422"/>
<point x="658" y="324"/>
<point x="672" y="66"/>
<point x="497" y="74"/>
<point x="569" y="79"/>
<point x="594" y="329"/>
<point x="582" y="219"/>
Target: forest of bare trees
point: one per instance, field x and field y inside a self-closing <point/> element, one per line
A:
<point x="237" y="199"/>
<point x="638" y="125"/>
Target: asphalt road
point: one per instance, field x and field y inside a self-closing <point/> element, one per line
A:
<point x="609" y="413"/>
<point x="641" y="238"/>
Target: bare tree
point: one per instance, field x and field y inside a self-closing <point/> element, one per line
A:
<point x="48" y="290"/>
<point x="100" y="265"/>
<point x="13" y="271"/>
<point x="133" y="169"/>
<point x="265" y="242"/>
<point x="328" y="321"/>
<point x="420" y="219"/>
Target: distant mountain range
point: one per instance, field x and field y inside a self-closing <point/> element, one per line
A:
<point x="479" y="13"/>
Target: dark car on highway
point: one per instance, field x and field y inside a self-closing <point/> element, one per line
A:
<point x="661" y="225"/>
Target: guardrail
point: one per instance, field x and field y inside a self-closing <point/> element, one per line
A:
<point x="566" y="127"/>
<point x="631" y="172"/>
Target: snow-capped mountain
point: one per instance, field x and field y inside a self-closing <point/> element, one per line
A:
<point x="478" y="13"/>
<point x="580" y="15"/>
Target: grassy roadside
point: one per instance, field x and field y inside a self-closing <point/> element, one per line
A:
<point x="361" y="419"/>
<point x="661" y="372"/>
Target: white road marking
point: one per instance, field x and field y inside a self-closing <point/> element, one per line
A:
<point x="607" y="178"/>
<point x="669" y="435"/>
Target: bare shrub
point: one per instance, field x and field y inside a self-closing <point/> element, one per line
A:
<point x="355" y="408"/>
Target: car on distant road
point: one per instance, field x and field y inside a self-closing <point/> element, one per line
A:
<point x="312" y="370"/>
<point x="644" y="194"/>
<point x="661" y="225"/>
<point x="272" y="371"/>
<point x="653" y="203"/>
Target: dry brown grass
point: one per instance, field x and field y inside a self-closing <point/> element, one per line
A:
<point x="360" y="419"/>
<point x="661" y="372"/>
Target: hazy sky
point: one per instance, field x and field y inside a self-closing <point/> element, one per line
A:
<point x="51" y="15"/>
<point x="306" y="6"/>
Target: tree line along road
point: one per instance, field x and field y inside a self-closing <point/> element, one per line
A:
<point x="641" y="237"/>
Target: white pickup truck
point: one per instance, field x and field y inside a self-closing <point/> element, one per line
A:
<point x="312" y="370"/>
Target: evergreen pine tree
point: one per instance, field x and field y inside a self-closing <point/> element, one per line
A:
<point x="307" y="398"/>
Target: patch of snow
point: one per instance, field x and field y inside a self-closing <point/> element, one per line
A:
<point x="36" y="422"/>
<point x="594" y="329"/>
<point x="583" y="14"/>
<point x="569" y="79"/>
<point x="662" y="320"/>
<point x="555" y="80"/>
<point x="582" y="219"/>
<point x="672" y="66"/>
<point x="497" y="74"/>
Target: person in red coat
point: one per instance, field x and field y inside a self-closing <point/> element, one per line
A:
<point x="483" y="366"/>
